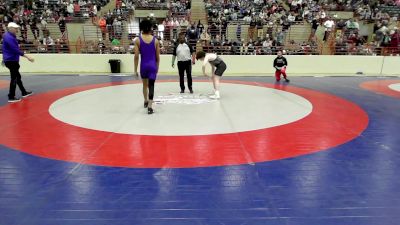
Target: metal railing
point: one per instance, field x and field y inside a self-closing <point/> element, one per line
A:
<point x="150" y="5"/>
<point x="106" y="47"/>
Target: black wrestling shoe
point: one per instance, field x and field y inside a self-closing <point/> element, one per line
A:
<point x="191" y="91"/>
<point x="146" y="104"/>
<point x="182" y="91"/>
<point x="14" y="99"/>
<point x="150" y="111"/>
<point x="287" y="80"/>
<point x="27" y="94"/>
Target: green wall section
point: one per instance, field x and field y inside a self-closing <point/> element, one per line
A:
<point x="237" y="65"/>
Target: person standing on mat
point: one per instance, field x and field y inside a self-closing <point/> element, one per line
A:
<point x="186" y="57"/>
<point x="11" y="55"/>
<point x="280" y="64"/>
<point x="218" y="68"/>
<point x="148" y="47"/>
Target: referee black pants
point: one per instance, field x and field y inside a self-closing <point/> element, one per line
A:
<point x="182" y="67"/>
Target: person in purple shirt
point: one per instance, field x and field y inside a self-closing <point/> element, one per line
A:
<point x="11" y="54"/>
<point x="148" y="47"/>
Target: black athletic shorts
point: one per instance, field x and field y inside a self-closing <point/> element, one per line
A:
<point x="220" y="68"/>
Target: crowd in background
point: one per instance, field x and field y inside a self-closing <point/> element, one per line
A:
<point x="273" y="19"/>
<point x="34" y="17"/>
<point x="256" y="26"/>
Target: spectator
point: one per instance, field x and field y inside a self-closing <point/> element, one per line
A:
<point x="270" y="27"/>
<point x="109" y="25"/>
<point x="252" y="28"/>
<point x="244" y="48"/>
<point x="192" y="34"/>
<point x="329" y="24"/>
<point x="314" y="27"/>
<point x="247" y="19"/>
<point x="322" y="15"/>
<point x="205" y="38"/>
<point x="61" y="24"/>
<point x="341" y="24"/>
<point x="43" y="23"/>
<point x="291" y="18"/>
<point x="260" y="28"/>
<point x="117" y="26"/>
<point x="48" y="42"/>
<point x="224" y="27"/>
<point x="285" y="24"/>
<point x="184" y="23"/>
<point x="217" y="40"/>
<point x="101" y="46"/>
<point x="200" y="28"/>
<point x="307" y="14"/>
<point x="116" y="47"/>
<point x="23" y="26"/>
<point x="394" y="41"/>
<point x="118" y="11"/>
<point x="33" y="25"/>
<point x="160" y="31"/>
<point x="70" y="9"/>
<point x="267" y="46"/>
<point x="352" y="25"/>
<point x="213" y="30"/>
<point x="61" y="46"/>
<point x="175" y="28"/>
<point x="168" y="24"/>
<point x="77" y="9"/>
<point x="238" y="31"/>
<point x="93" y="13"/>
<point x="234" y="16"/>
<point x="280" y="38"/>
<point x="103" y="27"/>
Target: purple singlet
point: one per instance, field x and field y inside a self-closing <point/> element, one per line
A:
<point x="148" y="63"/>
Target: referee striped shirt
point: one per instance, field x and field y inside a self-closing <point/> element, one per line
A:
<point x="183" y="52"/>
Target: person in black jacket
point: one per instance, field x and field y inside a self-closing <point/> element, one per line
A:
<point x="280" y="64"/>
<point x="314" y="27"/>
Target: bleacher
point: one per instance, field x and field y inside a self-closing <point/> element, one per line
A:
<point x="226" y="34"/>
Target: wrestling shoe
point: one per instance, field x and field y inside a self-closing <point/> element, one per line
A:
<point x="14" y="99"/>
<point x="27" y="94"/>
<point x="215" y="95"/>
<point x="150" y="111"/>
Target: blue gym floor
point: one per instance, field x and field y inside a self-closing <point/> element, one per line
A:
<point x="352" y="184"/>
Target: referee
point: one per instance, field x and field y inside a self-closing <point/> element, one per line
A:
<point x="186" y="57"/>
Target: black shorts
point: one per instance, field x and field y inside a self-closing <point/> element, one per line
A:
<point x="220" y="68"/>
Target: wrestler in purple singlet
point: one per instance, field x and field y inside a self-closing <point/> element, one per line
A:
<point x="149" y="54"/>
<point x="148" y="63"/>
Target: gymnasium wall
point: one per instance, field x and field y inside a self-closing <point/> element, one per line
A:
<point x="237" y="65"/>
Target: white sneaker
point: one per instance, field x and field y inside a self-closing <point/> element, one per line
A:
<point x="216" y="95"/>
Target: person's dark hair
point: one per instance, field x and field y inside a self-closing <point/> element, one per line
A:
<point x="146" y="26"/>
<point x="200" y="55"/>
